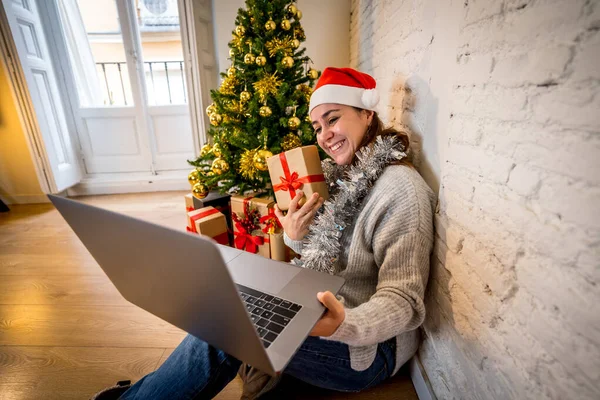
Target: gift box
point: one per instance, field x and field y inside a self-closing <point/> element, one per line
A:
<point x="279" y="251"/>
<point x="219" y="201"/>
<point x="248" y="230"/>
<point x="272" y="227"/>
<point x="189" y="202"/>
<point x="296" y="169"/>
<point x="209" y="221"/>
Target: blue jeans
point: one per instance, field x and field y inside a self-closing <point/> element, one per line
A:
<point x="197" y="370"/>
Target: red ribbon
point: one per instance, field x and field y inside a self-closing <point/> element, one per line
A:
<point x="291" y="182"/>
<point x="198" y="216"/>
<point x="188" y="209"/>
<point x="245" y="241"/>
<point x="223" y="238"/>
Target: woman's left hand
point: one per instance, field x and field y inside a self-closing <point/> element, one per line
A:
<point x="333" y="318"/>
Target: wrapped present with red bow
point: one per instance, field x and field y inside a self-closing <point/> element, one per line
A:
<point x="189" y="202"/>
<point x="297" y="169"/>
<point x="250" y="227"/>
<point x="209" y="221"/>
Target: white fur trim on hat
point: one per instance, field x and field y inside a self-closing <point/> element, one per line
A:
<point x="347" y="95"/>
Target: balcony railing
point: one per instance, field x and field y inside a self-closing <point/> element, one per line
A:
<point x="164" y="80"/>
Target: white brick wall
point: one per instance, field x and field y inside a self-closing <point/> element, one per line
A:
<point x="503" y="100"/>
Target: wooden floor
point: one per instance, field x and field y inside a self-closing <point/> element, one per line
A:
<point x="65" y="331"/>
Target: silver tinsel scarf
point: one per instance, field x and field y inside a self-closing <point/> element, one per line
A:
<point x="349" y="186"/>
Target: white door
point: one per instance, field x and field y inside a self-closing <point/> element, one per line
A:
<point x="125" y="66"/>
<point x="58" y="150"/>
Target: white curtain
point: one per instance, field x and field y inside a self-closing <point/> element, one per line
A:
<point x="80" y="52"/>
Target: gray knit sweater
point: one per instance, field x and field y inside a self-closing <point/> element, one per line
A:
<point x="386" y="256"/>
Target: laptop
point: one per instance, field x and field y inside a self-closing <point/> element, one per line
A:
<point x="255" y="309"/>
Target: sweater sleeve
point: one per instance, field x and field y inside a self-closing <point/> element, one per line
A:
<point x="295" y="245"/>
<point x="402" y="257"/>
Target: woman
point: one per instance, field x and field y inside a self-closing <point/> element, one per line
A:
<point x="376" y="232"/>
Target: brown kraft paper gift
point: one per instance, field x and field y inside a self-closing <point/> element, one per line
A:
<point x="255" y="241"/>
<point x="297" y="169"/>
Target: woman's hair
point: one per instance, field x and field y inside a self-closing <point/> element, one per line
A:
<point x="376" y="128"/>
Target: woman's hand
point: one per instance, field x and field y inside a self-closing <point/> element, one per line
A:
<point x="333" y="318"/>
<point x="296" y="222"/>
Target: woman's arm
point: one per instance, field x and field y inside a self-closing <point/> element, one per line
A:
<point x="397" y="305"/>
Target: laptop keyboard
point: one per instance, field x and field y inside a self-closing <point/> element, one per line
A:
<point x="269" y="314"/>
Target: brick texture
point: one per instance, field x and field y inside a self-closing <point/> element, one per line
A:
<point x="502" y="99"/>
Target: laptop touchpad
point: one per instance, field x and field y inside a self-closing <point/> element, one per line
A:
<point x="261" y="273"/>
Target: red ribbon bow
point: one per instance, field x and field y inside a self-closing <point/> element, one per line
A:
<point x="291" y="181"/>
<point x="271" y="221"/>
<point x="245" y="241"/>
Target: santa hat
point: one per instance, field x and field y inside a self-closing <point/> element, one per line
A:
<point x="345" y="86"/>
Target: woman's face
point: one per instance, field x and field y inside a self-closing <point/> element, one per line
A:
<point x="340" y="130"/>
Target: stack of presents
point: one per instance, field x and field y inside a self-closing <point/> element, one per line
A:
<point x="248" y="222"/>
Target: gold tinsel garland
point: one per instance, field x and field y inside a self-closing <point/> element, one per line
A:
<point x="306" y="91"/>
<point x="267" y="85"/>
<point x="237" y="41"/>
<point x="276" y="45"/>
<point x="234" y="106"/>
<point x="228" y="85"/>
<point x="247" y="168"/>
<point x="290" y="141"/>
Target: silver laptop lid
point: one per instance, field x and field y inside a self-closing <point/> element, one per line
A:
<point x="177" y="276"/>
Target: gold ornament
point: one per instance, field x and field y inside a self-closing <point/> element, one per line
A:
<point x="249" y="58"/>
<point x="231" y="72"/>
<point x="287" y="62"/>
<point x="292" y="10"/>
<point x="260" y="159"/>
<point x="286" y="24"/>
<point x="307" y="119"/>
<point x="270" y="25"/>
<point x="298" y="15"/>
<point x="276" y="45"/>
<point x="267" y="85"/>
<point x="211" y="109"/>
<point x="295" y="43"/>
<point x="200" y="190"/>
<point x="219" y="166"/>
<point x="247" y="168"/>
<point x="217" y="150"/>
<point x="231" y="52"/>
<point x="240" y="30"/>
<point x="312" y="74"/>
<point x="193" y="177"/>
<point x="205" y="150"/>
<point x="290" y="141"/>
<point x="294" y="122"/>
<point x="245" y="95"/>
<point x="215" y="119"/>
<point x="261" y="60"/>
<point x="265" y="111"/>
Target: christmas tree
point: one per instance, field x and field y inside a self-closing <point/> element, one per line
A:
<point x="261" y="106"/>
